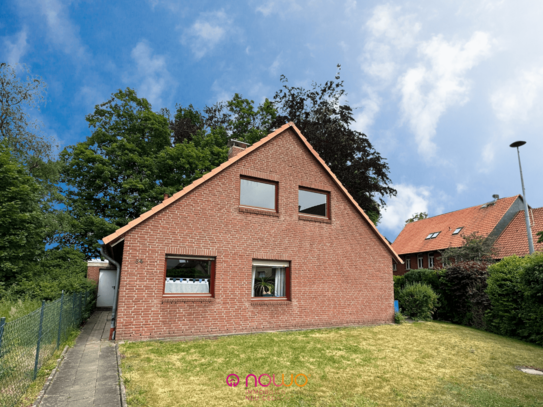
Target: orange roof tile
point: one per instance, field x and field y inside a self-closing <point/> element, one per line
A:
<point x="120" y="232"/>
<point x="514" y="239"/>
<point x="412" y="239"/>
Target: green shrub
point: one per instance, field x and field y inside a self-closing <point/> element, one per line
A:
<point x="418" y="301"/>
<point x="505" y="291"/>
<point x="464" y="285"/>
<point x="399" y="283"/>
<point x="532" y="307"/>
<point x="399" y="318"/>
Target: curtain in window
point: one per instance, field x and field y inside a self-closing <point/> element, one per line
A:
<point x="280" y="282"/>
<point x="253" y="287"/>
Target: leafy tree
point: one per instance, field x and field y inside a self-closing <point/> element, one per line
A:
<point x="126" y="166"/>
<point x="21" y="220"/>
<point x="540" y="234"/>
<point x="325" y="118"/>
<point x="417" y="216"/>
<point x="18" y="97"/>
<point x="474" y="248"/>
<point x="17" y="129"/>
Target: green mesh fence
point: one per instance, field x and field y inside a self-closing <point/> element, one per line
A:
<point x="28" y="342"/>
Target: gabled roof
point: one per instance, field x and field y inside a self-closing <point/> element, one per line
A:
<point x="480" y="219"/>
<point x="120" y="232"/>
<point x="514" y="239"/>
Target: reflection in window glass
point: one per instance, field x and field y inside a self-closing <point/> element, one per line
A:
<point x="269" y="281"/>
<point x="187" y="276"/>
<point x="312" y="203"/>
<point x="259" y="194"/>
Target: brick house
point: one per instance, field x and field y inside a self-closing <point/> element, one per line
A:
<point x="419" y="243"/>
<point x="513" y="239"/>
<point x="269" y="240"/>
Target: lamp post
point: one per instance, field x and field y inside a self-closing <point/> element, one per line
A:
<point x="516" y="145"/>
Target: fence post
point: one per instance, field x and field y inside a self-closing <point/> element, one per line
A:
<point x="60" y="319"/>
<point x="2" y="324"/>
<point x="39" y="340"/>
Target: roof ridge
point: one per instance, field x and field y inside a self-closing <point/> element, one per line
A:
<point x="463" y="209"/>
<point x="119" y="232"/>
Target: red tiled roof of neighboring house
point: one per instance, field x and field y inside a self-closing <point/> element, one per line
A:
<point x="120" y="232"/>
<point x="412" y="239"/>
<point x="514" y="239"/>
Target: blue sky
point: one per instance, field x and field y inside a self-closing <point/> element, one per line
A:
<point x="441" y="88"/>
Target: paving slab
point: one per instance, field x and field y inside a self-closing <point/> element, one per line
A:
<point x="88" y="375"/>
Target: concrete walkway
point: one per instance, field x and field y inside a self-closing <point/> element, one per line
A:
<point x="88" y="375"/>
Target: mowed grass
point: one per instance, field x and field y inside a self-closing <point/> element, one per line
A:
<point x="420" y="364"/>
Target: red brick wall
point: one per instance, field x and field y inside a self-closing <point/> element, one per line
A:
<point x="93" y="270"/>
<point x="401" y="270"/>
<point x="340" y="270"/>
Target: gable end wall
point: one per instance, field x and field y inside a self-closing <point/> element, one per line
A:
<point x="340" y="270"/>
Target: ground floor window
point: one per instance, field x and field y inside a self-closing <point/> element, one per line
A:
<point x="270" y="279"/>
<point x="419" y="261"/>
<point x="408" y="263"/>
<point x="431" y="261"/>
<point x="185" y="275"/>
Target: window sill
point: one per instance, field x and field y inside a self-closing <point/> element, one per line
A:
<point x="270" y="301"/>
<point x="317" y="219"/>
<point x="179" y="300"/>
<point x="246" y="209"/>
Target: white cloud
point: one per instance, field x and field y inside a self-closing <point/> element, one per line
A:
<point x="281" y="7"/>
<point x="207" y="32"/>
<point x="438" y="83"/>
<point x="274" y="68"/>
<point x="514" y="101"/>
<point x="152" y="73"/>
<point x="461" y="188"/>
<point x="61" y="31"/>
<point x="15" y="47"/>
<point x="370" y="107"/>
<point x="390" y="37"/>
<point x="409" y="200"/>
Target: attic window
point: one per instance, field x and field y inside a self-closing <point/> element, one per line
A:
<point x="457" y="230"/>
<point x="432" y="235"/>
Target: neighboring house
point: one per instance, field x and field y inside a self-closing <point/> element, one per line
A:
<point x="419" y="243"/>
<point x="269" y="240"/>
<point x="514" y="239"/>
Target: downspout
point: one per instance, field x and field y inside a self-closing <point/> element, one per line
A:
<point x="115" y="294"/>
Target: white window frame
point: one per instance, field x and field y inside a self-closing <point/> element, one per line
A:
<point x="430" y="261"/>
<point x="420" y="261"/>
<point x="408" y="263"/>
<point x="394" y="268"/>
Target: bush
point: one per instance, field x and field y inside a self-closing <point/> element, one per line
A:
<point x="418" y="301"/>
<point x="58" y="270"/>
<point x="505" y="291"/>
<point x="532" y="307"/>
<point x="465" y="286"/>
<point x="399" y="283"/>
<point x="399" y="318"/>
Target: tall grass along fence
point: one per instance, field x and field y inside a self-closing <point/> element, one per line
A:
<point x="26" y="343"/>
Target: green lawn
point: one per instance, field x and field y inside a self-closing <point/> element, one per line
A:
<point x="434" y="364"/>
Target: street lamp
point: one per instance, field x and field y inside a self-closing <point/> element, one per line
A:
<point x="516" y="145"/>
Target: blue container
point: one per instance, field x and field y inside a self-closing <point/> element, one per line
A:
<point x="396" y="306"/>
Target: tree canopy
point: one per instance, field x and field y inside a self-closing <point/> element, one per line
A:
<point x="22" y="229"/>
<point x="474" y="248"/>
<point x="417" y="216"/>
<point x="126" y="166"/>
